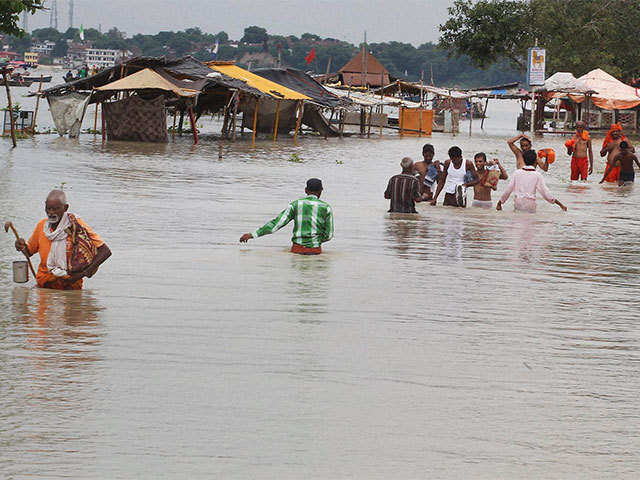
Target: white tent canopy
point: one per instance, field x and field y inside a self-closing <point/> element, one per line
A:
<point x="564" y="83"/>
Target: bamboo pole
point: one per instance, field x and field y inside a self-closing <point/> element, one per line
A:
<point x="255" y="122"/>
<point x="401" y="119"/>
<point x="342" y="113"/>
<point x="421" y="105"/>
<point x="95" y="120"/>
<point x="235" y="115"/>
<point x="275" y="125"/>
<point x="484" y="114"/>
<point x="173" y="127"/>
<point x="35" y="114"/>
<point x="369" y="123"/>
<point x="10" y="105"/>
<point x="533" y="111"/>
<point x="298" y="121"/>
<point x="104" y="129"/>
<point x="470" y="115"/>
<point x="381" y="100"/>
<point x="193" y="126"/>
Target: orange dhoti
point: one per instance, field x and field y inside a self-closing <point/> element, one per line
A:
<point x="614" y="174"/>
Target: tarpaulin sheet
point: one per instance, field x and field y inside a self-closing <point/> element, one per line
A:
<point x="135" y="119"/>
<point x="68" y="111"/>
<point x="612" y="93"/>
<point x="268" y="87"/>
<point x="147" y="79"/>
<point x="300" y="82"/>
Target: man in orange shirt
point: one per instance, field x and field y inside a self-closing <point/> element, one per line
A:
<point x="69" y="250"/>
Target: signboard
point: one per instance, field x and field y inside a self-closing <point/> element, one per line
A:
<point x="536" y="66"/>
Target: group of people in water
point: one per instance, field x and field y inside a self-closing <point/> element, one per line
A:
<point x="424" y="181"/>
<point x="69" y="250"/>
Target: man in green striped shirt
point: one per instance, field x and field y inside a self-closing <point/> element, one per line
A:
<point x="312" y="221"/>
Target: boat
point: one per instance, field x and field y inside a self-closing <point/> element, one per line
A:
<point x="17" y="83"/>
<point x="33" y="78"/>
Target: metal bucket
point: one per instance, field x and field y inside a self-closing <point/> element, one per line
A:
<point x="20" y="271"/>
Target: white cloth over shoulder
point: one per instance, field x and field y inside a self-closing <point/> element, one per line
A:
<point x="57" y="259"/>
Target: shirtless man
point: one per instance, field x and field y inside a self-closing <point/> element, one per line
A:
<point x="525" y="144"/>
<point x="624" y="162"/>
<point x="611" y="148"/>
<point x="428" y="172"/>
<point x="482" y="190"/>
<point x="579" y="147"/>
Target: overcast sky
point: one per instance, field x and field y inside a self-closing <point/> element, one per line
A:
<point x="411" y="21"/>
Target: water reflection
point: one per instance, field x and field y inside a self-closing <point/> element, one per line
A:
<point x="309" y="283"/>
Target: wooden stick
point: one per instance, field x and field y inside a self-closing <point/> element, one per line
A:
<point x="95" y="120"/>
<point x="369" y="123"/>
<point x="10" y="105"/>
<point x="401" y="119"/>
<point x="193" y="126"/>
<point x="15" y="232"/>
<point x="235" y="116"/>
<point x="104" y="129"/>
<point x="173" y="128"/>
<point x="255" y="122"/>
<point x="295" y="134"/>
<point x="420" y="119"/>
<point x="275" y="125"/>
<point x="381" y="100"/>
<point x="484" y="114"/>
<point x="35" y="114"/>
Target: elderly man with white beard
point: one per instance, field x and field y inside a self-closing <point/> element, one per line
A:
<point x="69" y="250"/>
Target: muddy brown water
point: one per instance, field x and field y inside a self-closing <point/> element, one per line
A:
<point x="450" y="344"/>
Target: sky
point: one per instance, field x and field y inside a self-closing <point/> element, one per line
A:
<point x="410" y="21"/>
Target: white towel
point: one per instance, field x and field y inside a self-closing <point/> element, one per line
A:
<point x="57" y="259"/>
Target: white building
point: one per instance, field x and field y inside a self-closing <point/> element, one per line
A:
<point x="102" y="57"/>
<point x="44" y="48"/>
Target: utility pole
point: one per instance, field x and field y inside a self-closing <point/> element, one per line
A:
<point x="70" y="13"/>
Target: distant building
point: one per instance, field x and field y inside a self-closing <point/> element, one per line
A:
<point x="360" y="72"/>
<point x="76" y="52"/>
<point x="31" y="58"/>
<point x="102" y="57"/>
<point x="44" y="48"/>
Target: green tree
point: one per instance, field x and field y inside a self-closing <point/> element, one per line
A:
<point x="222" y="37"/>
<point x="579" y="35"/>
<point x="254" y="34"/>
<point x="43" y="34"/>
<point x="60" y="50"/>
<point x="10" y="11"/>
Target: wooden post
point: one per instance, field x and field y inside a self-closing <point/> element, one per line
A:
<point x="255" y="122"/>
<point x="10" y="105"/>
<point x="275" y="125"/>
<point x="369" y="124"/>
<point x="104" y="121"/>
<point x="193" y="126"/>
<point x="235" y="115"/>
<point x="95" y="120"/>
<point x="401" y="119"/>
<point x="173" y="127"/>
<point x="420" y="111"/>
<point x="342" y="114"/>
<point x="298" y="121"/>
<point x="484" y="114"/>
<point x="381" y="100"/>
<point x="363" y="117"/>
<point x="180" y="122"/>
<point x="35" y="114"/>
<point x="533" y="110"/>
<point x="470" y="114"/>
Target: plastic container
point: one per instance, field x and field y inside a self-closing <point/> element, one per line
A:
<point x="20" y="271"/>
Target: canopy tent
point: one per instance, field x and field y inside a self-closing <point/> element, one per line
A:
<point x="612" y="93"/>
<point x="257" y="82"/>
<point x="562" y="83"/>
<point x="147" y="79"/>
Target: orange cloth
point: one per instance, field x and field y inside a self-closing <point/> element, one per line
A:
<point x="302" y="250"/>
<point x="548" y="153"/>
<point x="616" y="127"/>
<point x="39" y="243"/>
<point x="614" y="174"/>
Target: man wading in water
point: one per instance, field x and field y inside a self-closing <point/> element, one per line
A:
<point x="313" y="222"/>
<point x="488" y="180"/>
<point x="453" y="179"/>
<point x="611" y="148"/>
<point x="428" y="172"/>
<point x="403" y="189"/>
<point x="525" y="144"/>
<point x="69" y="250"/>
<point x="579" y="147"/>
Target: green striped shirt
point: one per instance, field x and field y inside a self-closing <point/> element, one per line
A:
<point x="313" y="222"/>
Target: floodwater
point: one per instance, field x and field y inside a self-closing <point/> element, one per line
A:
<point x="450" y="344"/>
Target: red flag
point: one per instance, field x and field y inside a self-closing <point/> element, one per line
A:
<point x="312" y="55"/>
